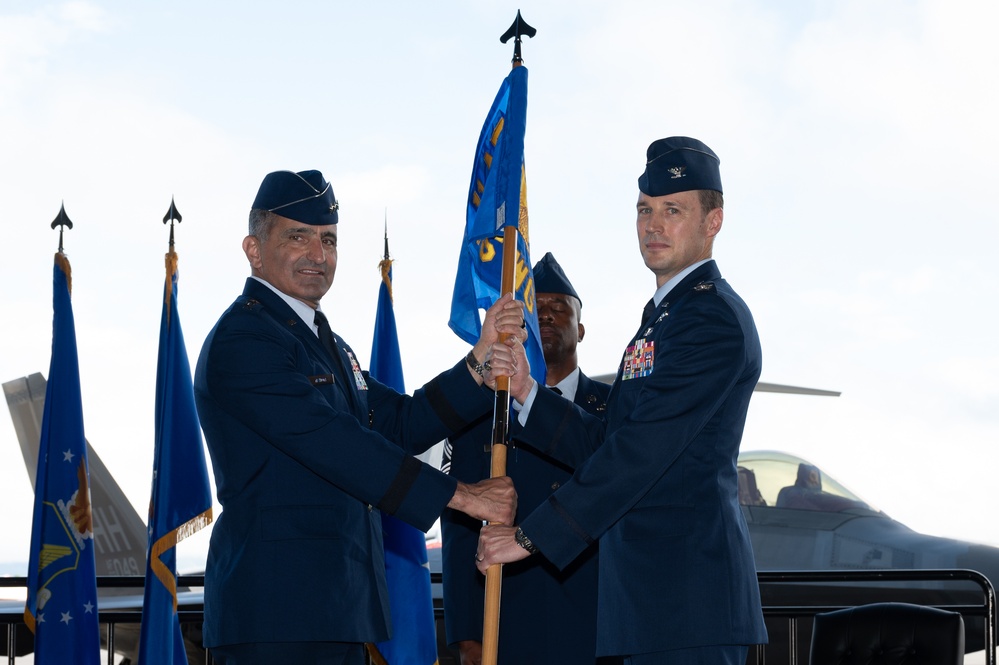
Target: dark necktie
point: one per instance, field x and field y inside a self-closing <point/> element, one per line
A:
<point x="326" y="334"/>
<point x="650" y="309"/>
<point x="329" y="342"/>
<point x="555" y="390"/>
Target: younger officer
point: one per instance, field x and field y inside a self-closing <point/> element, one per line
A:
<point x="660" y="489"/>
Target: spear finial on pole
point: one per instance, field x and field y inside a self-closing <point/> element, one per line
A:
<point x="518" y="28"/>
<point x="63" y="221"/>
<point x="386" y="235"/>
<point x="385" y="265"/>
<point x="173" y="215"/>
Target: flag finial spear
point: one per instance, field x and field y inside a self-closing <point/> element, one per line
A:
<point x="172" y="215"/>
<point x="386" y="235"/>
<point x="385" y="265"/>
<point x="518" y="28"/>
<point x="62" y="220"/>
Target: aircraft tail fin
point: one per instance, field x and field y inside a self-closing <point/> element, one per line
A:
<point x="119" y="532"/>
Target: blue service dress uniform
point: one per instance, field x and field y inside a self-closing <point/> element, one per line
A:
<point x="659" y="486"/>
<point x="547" y="615"/>
<point x="306" y="450"/>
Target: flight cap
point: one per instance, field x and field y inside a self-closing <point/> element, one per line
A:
<point x="550" y="278"/>
<point x="305" y="197"/>
<point x="679" y="164"/>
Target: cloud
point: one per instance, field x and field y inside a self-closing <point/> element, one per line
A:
<point x="29" y="42"/>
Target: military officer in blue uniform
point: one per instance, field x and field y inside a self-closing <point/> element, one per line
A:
<point x="547" y="615"/>
<point x="307" y="448"/>
<point x="656" y="482"/>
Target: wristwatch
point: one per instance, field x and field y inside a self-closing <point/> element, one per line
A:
<point x="524" y="541"/>
<point x="473" y="363"/>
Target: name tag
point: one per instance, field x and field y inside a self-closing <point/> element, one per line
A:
<point x="638" y="359"/>
<point x="322" y="380"/>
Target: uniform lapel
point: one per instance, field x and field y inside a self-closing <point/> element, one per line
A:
<point x="284" y="315"/>
<point x="703" y="273"/>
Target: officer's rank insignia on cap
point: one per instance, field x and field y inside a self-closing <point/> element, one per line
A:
<point x="679" y="164"/>
<point x="304" y="196"/>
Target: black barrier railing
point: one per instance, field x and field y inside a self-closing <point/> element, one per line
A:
<point x="794" y="597"/>
<point x="836" y="589"/>
<point x="123" y="613"/>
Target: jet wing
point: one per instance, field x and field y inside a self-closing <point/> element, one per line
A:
<point x="761" y="387"/>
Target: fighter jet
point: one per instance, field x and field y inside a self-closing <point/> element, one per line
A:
<point x="800" y="518"/>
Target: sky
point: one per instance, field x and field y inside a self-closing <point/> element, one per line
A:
<point x="858" y="144"/>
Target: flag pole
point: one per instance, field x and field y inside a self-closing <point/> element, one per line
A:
<point x="180" y="502"/>
<point x="501" y="406"/>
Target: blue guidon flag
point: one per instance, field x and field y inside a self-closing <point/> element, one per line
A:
<point x="497" y="197"/>
<point x="61" y="608"/>
<point x="181" y="500"/>
<point x="407" y="570"/>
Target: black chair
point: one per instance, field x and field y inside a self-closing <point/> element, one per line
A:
<point x="888" y="634"/>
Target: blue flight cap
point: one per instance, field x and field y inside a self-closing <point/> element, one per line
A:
<point x="679" y="164"/>
<point x="305" y="197"/>
<point x="549" y="278"/>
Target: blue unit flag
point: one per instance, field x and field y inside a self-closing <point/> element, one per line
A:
<point x="497" y="197"/>
<point x="181" y="501"/>
<point x="407" y="570"/>
<point x="61" y="608"/>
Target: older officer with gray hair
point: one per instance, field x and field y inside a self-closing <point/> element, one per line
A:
<point x="307" y="448"/>
<point x="656" y="483"/>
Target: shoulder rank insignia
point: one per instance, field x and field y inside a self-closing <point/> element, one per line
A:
<point x="705" y="286"/>
<point x="593" y="399"/>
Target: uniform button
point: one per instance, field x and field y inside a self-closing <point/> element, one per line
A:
<point x="555" y="485"/>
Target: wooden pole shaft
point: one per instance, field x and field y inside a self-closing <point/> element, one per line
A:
<point x="501" y="428"/>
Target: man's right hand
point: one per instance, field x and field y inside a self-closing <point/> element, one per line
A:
<point x="510" y="359"/>
<point x="492" y="500"/>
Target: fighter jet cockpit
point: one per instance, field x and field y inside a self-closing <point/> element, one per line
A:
<point x="779" y="480"/>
